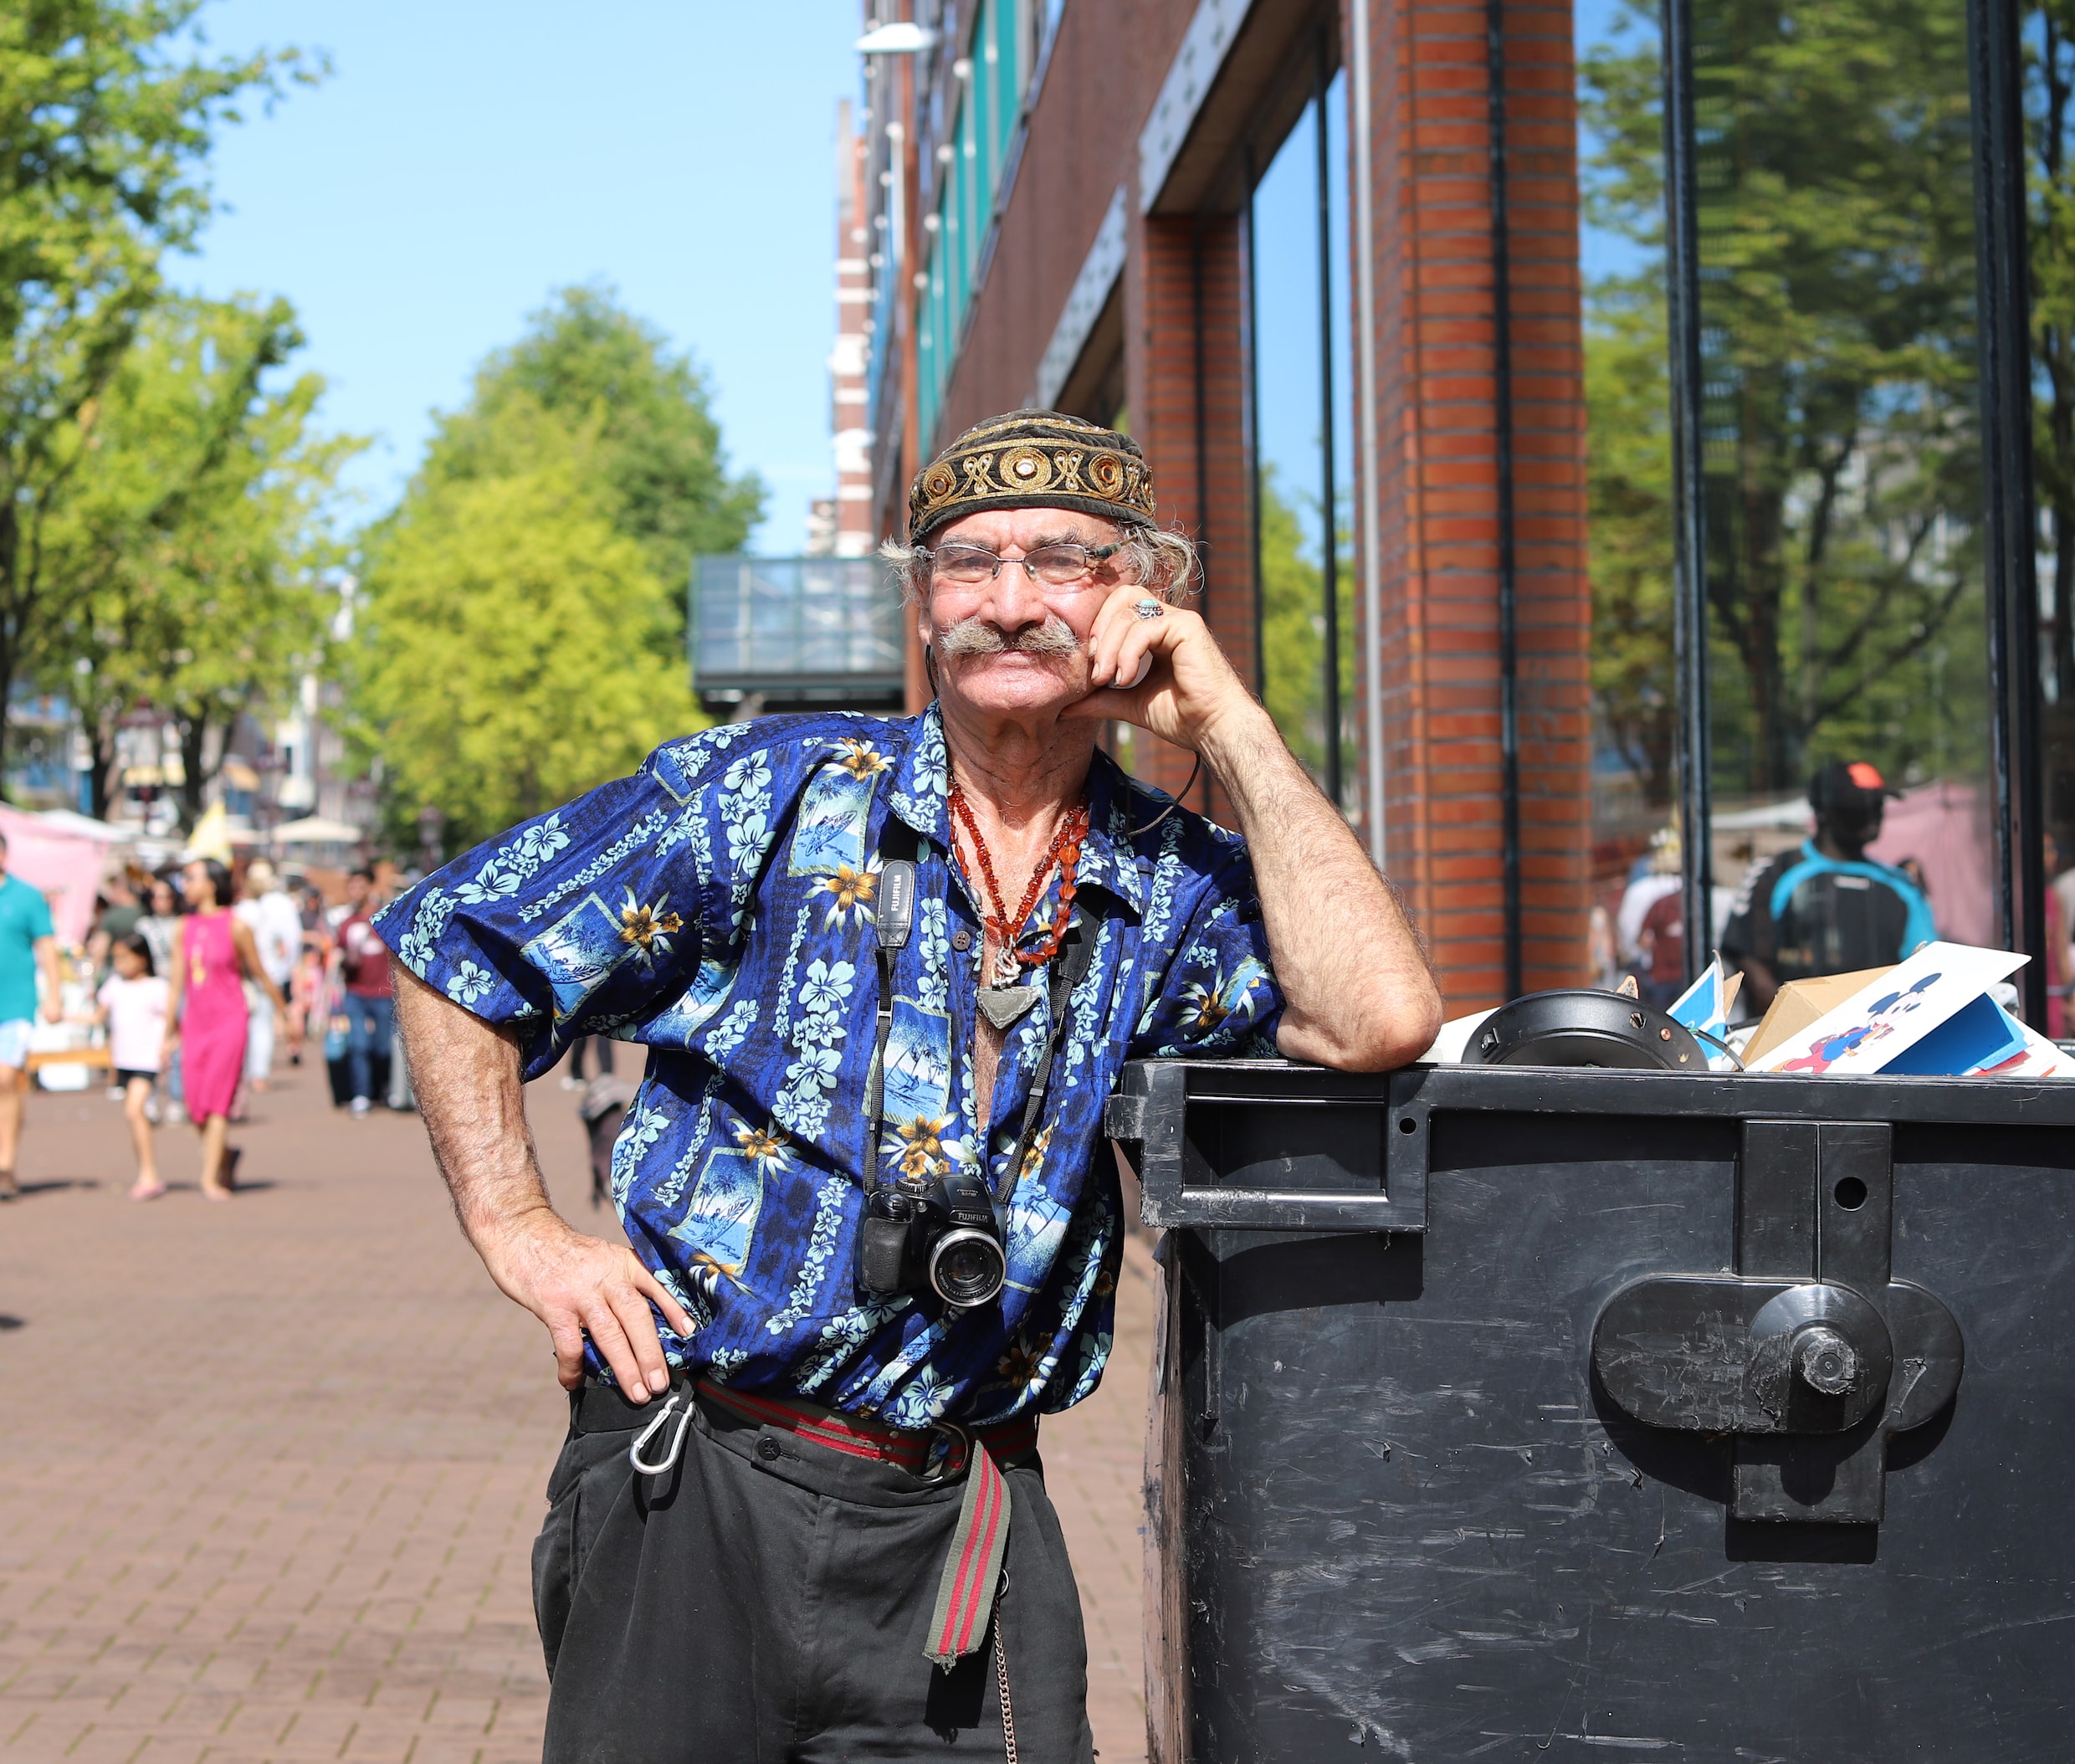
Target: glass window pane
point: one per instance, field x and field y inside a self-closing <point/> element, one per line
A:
<point x="2050" y="107"/>
<point x="1290" y="438"/>
<point x="1636" y="858"/>
<point x="1842" y="442"/>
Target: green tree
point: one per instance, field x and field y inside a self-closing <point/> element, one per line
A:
<point x="1843" y="487"/>
<point x="2050" y="54"/>
<point x="1293" y="630"/>
<point x="517" y="646"/>
<point x="109" y="117"/>
<point x="660" y="460"/>
<point x="1629" y="492"/>
<point x="187" y="554"/>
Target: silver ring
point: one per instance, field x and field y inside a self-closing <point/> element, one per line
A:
<point x="1149" y="608"/>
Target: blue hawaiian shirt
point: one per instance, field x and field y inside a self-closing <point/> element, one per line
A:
<point x="717" y="908"/>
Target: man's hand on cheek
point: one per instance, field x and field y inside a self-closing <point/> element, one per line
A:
<point x="1165" y="673"/>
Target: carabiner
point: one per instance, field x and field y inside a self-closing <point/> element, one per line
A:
<point x="677" y="1440"/>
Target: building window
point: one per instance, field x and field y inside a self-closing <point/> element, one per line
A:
<point x="1829" y="554"/>
<point x="986" y="102"/>
<point x="1302" y="434"/>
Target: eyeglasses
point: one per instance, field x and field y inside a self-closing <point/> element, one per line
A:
<point x="1055" y="566"/>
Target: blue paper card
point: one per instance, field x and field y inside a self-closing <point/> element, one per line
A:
<point x="1979" y="1034"/>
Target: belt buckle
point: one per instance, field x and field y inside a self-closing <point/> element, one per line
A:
<point x="955" y="1436"/>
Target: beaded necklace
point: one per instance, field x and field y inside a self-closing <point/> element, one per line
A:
<point x="1065" y="851"/>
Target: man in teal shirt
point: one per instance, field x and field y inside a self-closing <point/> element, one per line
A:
<point x="25" y="941"/>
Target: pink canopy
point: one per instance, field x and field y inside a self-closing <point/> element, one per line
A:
<point x="1945" y="827"/>
<point x="67" y="866"/>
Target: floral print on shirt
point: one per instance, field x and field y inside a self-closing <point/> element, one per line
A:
<point x="718" y="908"/>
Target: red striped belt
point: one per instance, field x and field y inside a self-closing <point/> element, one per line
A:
<point x="972" y="1567"/>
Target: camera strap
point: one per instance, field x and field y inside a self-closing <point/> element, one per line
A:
<point x="899" y="847"/>
<point x="895" y="920"/>
<point x="1071" y="963"/>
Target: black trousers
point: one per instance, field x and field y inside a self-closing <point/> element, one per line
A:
<point x="768" y="1599"/>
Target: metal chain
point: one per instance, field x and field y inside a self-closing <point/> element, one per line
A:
<point x="1001" y="1681"/>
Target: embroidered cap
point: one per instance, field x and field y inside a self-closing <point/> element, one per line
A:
<point x="1033" y="459"/>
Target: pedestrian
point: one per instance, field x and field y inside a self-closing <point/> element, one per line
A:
<point x="133" y="1002"/>
<point x="277" y="933"/>
<point x="881" y="967"/>
<point x="29" y="944"/>
<point x="364" y="967"/>
<point x="308" y="998"/>
<point x="206" y="1014"/>
<point x="1825" y="907"/>
<point x="305" y="1003"/>
<point x="161" y="925"/>
<point x="125" y="906"/>
<point x="2060" y="955"/>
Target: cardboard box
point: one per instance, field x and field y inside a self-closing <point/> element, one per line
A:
<point x="1801" y="1003"/>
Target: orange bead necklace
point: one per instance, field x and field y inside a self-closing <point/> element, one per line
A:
<point x="1065" y="851"/>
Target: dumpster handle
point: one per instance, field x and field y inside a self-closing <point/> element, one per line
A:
<point x="1178" y="1187"/>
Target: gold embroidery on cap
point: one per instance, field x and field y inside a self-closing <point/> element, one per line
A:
<point x="1025" y="469"/>
<point x="1013" y="460"/>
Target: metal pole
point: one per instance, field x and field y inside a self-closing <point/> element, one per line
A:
<point x="1328" y="501"/>
<point x="1509" y="585"/>
<point x="1996" y="76"/>
<point x="1689" y="587"/>
<point x="1367" y="440"/>
<point x="1250" y="307"/>
<point x="1203" y="439"/>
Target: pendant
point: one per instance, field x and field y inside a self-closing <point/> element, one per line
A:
<point x="1007" y="971"/>
<point x="1003" y="1004"/>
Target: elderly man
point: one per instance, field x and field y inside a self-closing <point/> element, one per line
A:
<point x="888" y="972"/>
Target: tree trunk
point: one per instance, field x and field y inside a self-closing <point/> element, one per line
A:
<point x="101" y="738"/>
<point x="1763" y="518"/>
<point x="11" y="620"/>
<point x="194" y="776"/>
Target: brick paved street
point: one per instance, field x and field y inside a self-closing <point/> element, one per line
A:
<point x="272" y="1471"/>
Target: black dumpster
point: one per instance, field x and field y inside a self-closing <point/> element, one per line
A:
<point x="1535" y="1413"/>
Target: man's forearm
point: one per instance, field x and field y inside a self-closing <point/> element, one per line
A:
<point x="465" y="1076"/>
<point x="1358" y="992"/>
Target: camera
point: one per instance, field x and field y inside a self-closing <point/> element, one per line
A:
<point x="941" y="1233"/>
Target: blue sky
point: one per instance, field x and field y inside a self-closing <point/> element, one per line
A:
<point x="465" y="159"/>
<point x="1597" y="21"/>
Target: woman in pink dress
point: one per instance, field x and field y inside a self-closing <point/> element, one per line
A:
<point x="206" y="1016"/>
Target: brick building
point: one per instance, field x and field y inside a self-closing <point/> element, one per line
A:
<point x="1314" y="258"/>
<point x="842" y="526"/>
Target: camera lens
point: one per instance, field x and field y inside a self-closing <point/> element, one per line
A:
<point x="967" y="1267"/>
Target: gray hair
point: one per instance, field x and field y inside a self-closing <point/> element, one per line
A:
<point x="1163" y="562"/>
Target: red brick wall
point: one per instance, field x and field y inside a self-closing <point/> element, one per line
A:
<point x="1209" y="490"/>
<point x="1437" y="463"/>
<point x="1106" y="70"/>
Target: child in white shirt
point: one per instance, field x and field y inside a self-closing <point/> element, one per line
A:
<point x="133" y="1005"/>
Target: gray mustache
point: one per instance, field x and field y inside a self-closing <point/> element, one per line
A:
<point x="975" y="636"/>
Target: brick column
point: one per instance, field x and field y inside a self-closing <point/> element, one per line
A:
<point x="1185" y="368"/>
<point x="1438" y="514"/>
